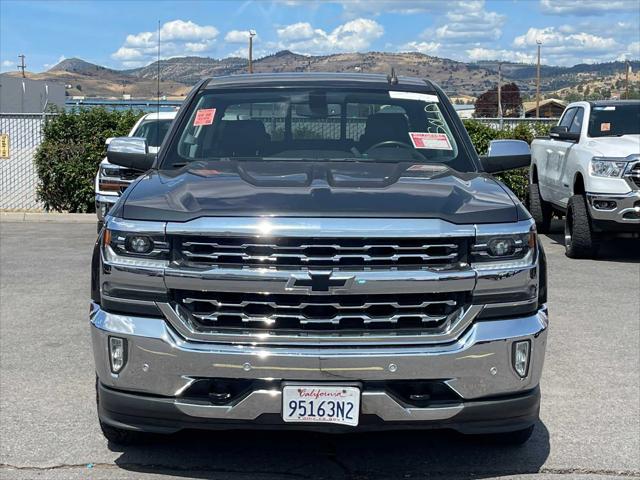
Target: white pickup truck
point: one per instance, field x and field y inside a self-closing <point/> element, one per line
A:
<point x="588" y="170"/>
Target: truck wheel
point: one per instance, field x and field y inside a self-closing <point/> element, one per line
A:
<point x="123" y="437"/>
<point x="580" y="240"/>
<point x="541" y="211"/>
<point x="119" y="436"/>
<point x="518" y="437"/>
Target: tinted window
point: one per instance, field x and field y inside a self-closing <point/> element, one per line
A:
<point x="316" y="124"/>
<point x="153" y="130"/>
<point x="576" y="124"/>
<point x="566" y="119"/>
<point x="614" y="120"/>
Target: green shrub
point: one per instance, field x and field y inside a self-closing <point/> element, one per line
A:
<point x="68" y="157"/>
<point x="481" y="134"/>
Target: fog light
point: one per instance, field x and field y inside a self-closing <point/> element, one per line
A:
<point x="604" y="204"/>
<point x="117" y="353"/>
<point x="521" y="351"/>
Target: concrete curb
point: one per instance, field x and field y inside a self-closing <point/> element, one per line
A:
<point x="27" y="217"/>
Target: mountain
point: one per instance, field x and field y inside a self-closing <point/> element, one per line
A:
<point x="458" y="79"/>
<point x="189" y="70"/>
<point x="87" y="79"/>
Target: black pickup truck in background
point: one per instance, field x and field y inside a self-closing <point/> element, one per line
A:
<point x="318" y="251"/>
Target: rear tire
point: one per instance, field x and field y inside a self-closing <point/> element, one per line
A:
<point x="515" y="438"/>
<point x="580" y="240"/>
<point x="541" y="211"/>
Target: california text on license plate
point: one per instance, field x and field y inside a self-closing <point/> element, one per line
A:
<point x="330" y="404"/>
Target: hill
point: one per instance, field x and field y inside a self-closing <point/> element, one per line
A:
<point x="458" y="79"/>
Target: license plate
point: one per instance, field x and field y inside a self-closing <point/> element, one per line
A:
<point x="312" y="404"/>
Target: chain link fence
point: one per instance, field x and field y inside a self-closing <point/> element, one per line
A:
<point x="18" y="177"/>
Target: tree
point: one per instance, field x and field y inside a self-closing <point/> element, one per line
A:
<point x="487" y="103"/>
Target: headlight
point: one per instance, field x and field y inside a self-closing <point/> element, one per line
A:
<point x="504" y="250"/>
<point x="143" y="249"/>
<point x="601" y="167"/>
<point x="109" y="179"/>
<point x="109" y="171"/>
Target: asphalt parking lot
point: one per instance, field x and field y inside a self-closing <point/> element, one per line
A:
<point x="590" y="419"/>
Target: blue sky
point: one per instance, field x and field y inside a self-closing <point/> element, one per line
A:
<point x="122" y="34"/>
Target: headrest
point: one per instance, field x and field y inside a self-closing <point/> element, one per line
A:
<point x="381" y="127"/>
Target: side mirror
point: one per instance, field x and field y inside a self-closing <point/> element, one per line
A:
<point x="506" y="155"/>
<point x="131" y="152"/>
<point x="563" y="133"/>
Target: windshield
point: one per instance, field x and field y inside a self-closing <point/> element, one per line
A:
<point x="614" y="120"/>
<point x="317" y="125"/>
<point x="153" y="130"/>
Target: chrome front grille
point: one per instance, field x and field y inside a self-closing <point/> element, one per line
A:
<point x="634" y="174"/>
<point x="286" y="312"/>
<point x="301" y="253"/>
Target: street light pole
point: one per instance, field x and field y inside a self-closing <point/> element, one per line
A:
<point x="500" y="93"/>
<point x="538" y="82"/>
<point x="252" y="34"/>
<point x="626" y="94"/>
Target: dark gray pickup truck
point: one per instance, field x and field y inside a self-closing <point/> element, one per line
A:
<point x="318" y="251"/>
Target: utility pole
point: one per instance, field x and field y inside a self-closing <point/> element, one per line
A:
<point x="500" y="93"/>
<point x="626" y="81"/>
<point x="252" y="33"/>
<point x="539" y="42"/>
<point x="22" y="65"/>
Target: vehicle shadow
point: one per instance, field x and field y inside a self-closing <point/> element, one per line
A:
<point x="614" y="249"/>
<point x="380" y="455"/>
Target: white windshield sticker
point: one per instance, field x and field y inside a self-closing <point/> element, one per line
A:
<point x="432" y="141"/>
<point x="423" y="97"/>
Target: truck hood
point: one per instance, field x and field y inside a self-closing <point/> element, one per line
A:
<point x="312" y="189"/>
<point x="615" y="146"/>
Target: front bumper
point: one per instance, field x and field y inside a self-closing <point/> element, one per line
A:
<point x="161" y="365"/>
<point x="623" y="209"/>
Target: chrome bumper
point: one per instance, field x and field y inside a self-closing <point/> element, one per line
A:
<point x="626" y="210"/>
<point x="161" y="363"/>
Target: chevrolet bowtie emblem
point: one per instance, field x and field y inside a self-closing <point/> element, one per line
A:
<point x="319" y="281"/>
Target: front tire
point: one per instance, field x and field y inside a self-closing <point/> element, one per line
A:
<point x="119" y="436"/>
<point x="541" y="211"/>
<point x="580" y="240"/>
<point x="514" y="439"/>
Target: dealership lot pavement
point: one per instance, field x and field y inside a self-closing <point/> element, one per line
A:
<point x="48" y="428"/>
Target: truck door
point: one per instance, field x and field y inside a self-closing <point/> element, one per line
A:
<point x="555" y="161"/>
<point x="569" y="160"/>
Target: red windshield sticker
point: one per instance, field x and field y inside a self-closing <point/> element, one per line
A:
<point x="204" y="116"/>
<point x="432" y="141"/>
<point x="605" y="127"/>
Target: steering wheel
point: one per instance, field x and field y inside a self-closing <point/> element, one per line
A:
<point x="390" y="143"/>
